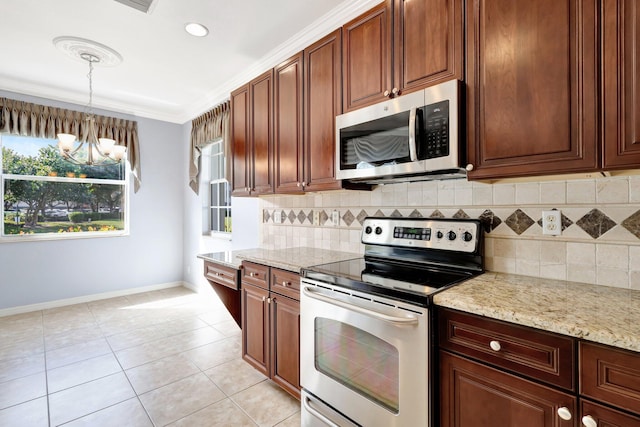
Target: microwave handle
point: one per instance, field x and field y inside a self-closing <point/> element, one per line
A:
<point x="412" y="135"/>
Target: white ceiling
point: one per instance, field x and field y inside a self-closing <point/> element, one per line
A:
<point x="166" y="74"/>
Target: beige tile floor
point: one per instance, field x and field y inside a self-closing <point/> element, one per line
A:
<point x="169" y="357"/>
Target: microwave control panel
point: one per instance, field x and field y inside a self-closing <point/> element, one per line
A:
<point x="436" y="128"/>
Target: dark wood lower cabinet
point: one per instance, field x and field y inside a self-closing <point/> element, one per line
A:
<point x="285" y="343"/>
<point x="605" y="417"/>
<point x="475" y="395"/>
<point x="255" y="327"/>
<point x="271" y="324"/>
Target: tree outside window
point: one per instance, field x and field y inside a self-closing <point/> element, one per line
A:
<point x="44" y="195"/>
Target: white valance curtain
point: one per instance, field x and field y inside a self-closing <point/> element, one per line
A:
<point x="205" y="129"/>
<point x="40" y="121"/>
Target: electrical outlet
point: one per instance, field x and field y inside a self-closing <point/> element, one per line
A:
<point x="335" y="218"/>
<point x="552" y="222"/>
<point x="316" y="218"/>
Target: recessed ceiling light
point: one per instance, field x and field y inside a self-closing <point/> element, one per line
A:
<point x="195" y="29"/>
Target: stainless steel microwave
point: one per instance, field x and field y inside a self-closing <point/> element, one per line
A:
<point x="410" y="138"/>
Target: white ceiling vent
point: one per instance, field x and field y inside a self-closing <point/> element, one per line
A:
<point x="145" y="6"/>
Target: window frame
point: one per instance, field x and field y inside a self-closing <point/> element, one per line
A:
<point x="125" y="183"/>
<point x="207" y="182"/>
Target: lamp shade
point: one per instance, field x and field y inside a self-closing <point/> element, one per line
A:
<point x="106" y="145"/>
<point x="65" y="141"/>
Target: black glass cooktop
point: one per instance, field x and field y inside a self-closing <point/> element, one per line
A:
<point x="397" y="280"/>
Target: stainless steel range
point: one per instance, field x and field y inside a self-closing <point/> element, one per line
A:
<point x="366" y="323"/>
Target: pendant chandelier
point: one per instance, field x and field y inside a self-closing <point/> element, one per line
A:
<point x="92" y="151"/>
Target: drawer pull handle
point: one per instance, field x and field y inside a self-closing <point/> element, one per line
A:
<point x="495" y="345"/>
<point x="252" y="274"/>
<point x="285" y="283"/>
<point x="588" y="421"/>
<point x="564" y="413"/>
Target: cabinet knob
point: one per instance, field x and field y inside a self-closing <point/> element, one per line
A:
<point x="495" y="345"/>
<point x="564" y="413"/>
<point x="588" y="421"/>
<point x="304" y="184"/>
<point x="264" y="299"/>
<point x="386" y="93"/>
<point x="285" y="284"/>
<point x="298" y="184"/>
<point x="252" y="274"/>
<point x="469" y="167"/>
<point x="395" y="91"/>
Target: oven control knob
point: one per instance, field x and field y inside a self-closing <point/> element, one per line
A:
<point x="467" y="237"/>
<point x="451" y="235"/>
<point x="378" y="230"/>
<point x="439" y="235"/>
<point x="367" y="230"/>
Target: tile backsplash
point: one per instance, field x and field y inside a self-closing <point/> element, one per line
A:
<point x="600" y="241"/>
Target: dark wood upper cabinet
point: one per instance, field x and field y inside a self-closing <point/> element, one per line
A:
<point x="367" y="57"/>
<point x="288" y="86"/>
<point x="428" y="42"/>
<point x="322" y="103"/>
<point x="252" y="137"/>
<point x="241" y="148"/>
<point x="532" y="87"/>
<point x="401" y="46"/>
<point x="621" y="83"/>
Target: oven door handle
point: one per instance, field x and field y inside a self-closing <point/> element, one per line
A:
<point x="397" y="320"/>
<point x="413" y="153"/>
<point x="313" y="411"/>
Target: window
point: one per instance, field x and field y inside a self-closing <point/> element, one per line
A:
<point x="217" y="203"/>
<point x="44" y="196"/>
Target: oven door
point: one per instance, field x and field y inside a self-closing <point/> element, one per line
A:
<point x="364" y="357"/>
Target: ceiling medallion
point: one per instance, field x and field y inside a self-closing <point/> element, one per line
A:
<point x="76" y="47"/>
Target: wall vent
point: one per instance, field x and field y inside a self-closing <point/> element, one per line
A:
<point x="145" y="6"/>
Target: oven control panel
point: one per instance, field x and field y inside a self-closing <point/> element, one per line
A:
<point x="430" y="233"/>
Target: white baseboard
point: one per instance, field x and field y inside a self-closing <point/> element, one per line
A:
<point x="88" y="298"/>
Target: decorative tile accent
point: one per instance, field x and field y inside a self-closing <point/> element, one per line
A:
<point x="415" y="214"/>
<point x="348" y="218"/>
<point x="310" y="217"/>
<point x="396" y="214"/>
<point x="596" y="223"/>
<point x="379" y="214"/>
<point x="302" y="217"/>
<point x="266" y="216"/>
<point x="489" y="220"/>
<point x="361" y="216"/>
<point x="436" y="214"/>
<point x="519" y="221"/>
<point x="323" y="217"/>
<point x="461" y="215"/>
<point x="566" y="222"/>
<point x="292" y="217"/>
<point x="632" y="224"/>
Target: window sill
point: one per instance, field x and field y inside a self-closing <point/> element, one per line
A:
<point x="216" y="235"/>
<point x="61" y="236"/>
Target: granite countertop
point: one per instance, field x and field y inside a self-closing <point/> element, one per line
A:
<point x="292" y="259"/>
<point x="595" y="313"/>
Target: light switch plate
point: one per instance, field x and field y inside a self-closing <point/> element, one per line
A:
<point x="552" y="222"/>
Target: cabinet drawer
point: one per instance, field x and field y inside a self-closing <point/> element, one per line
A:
<point x="225" y="276"/>
<point x="536" y="354"/>
<point x="610" y="375"/>
<point x="607" y="417"/>
<point x="255" y="274"/>
<point x="286" y="283"/>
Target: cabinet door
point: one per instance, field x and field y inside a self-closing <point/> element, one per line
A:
<point x="240" y="147"/>
<point x="322" y="103"/>
<point x="261" y="127"/>
<point x="474" y="395"/>
<point x="621" y="83"/>
<point x="532" y="82"/>
<point x="428" y="46"/>
<point x="606" y="417"/>
<point x="255" y="327"/>
<point x="367" y="57"/>
<point x="285" y="343"/>
<point x="288" y="125"/>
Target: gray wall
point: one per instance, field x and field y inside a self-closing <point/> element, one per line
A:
<point x="37" y="272"/>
